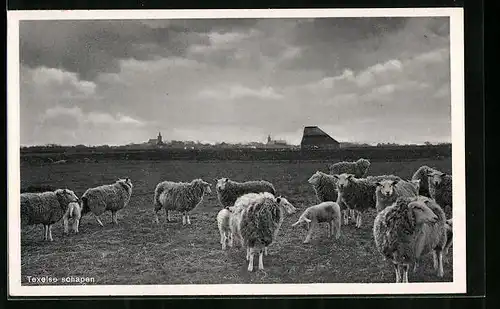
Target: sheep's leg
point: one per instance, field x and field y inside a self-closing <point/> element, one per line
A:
<point x="309" y="233"/>
<point x="223" y="240"/>
<point x="398" y="275"/>
<point x="359" y="220"/>
<point x="330" y="232"/>
<point x="265" y="250"/>
<point x="50" y="233"/>
<point x="168" y="216"/>
<point x="405" y="273"/>
<point x="114" y="217"/>
<point x="45" y="232"/>
<point x="415" y="266"/>
<point x="435" y="259"/>
<point x="157" y="220"/>
<point x="183" y="218"/>
<point x="75" y="225"/>
<point x="66" y="229"/>
<point x="440" y="263"/>
<point x="98" y="220"/>
<point x="248" y="253"/>
<point x="261" y="260"/>
<point x="250" y="259"/>
<point x="337" y="234"/>
<point x="188" y="221"/>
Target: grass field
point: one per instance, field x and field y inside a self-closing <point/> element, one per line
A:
<point x="139" y="252"/>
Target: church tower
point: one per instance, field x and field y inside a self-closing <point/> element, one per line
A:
<point x="269" y="139"/>
<point x="159" y="140"/>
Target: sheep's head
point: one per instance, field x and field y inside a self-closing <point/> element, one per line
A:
<point x="343" y="180"/>
<point x="436" y="177"/>
<point x="285" y="204"/>
<point x="125" y="181"/>
<point x="221" y="183"/>
<point x="421" y="212"/>
<point x="386" y="187"/>
<point x="203" y="184"/>
<point x="303" y="222"/>
<point x="314" y="178"/>
<point x="66" y="195"/>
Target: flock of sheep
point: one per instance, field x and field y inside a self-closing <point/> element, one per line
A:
<point x="409" y="224"/>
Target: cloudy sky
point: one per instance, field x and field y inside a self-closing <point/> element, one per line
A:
<point x="235" y="80"/>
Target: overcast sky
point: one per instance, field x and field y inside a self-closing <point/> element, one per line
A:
<point x="235" y="80"/>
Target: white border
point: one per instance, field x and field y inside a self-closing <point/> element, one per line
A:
<point x="458" y="160"/>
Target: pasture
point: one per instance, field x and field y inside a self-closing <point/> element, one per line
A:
<point x="137" y="251"/>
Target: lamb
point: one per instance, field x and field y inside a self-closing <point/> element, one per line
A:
<point x="74" y="213"/>
<point x="325" y="187"/>
<point x="179" y="196"/>
<point x="45" y="208"/>
<point x="228" y="191"/>
<point x="440" y="189"/>
<point x="357" y="194"/>
<point x="388" y="191"/>
<point x="358" y="168"/>
<point x="223" y="224"/>
<point x="324" y="212"/>
<point x="409" y="229"/>
<point x="112" y="197"/>
<point x="255" y="222"/>
<point x="422" y="175"/>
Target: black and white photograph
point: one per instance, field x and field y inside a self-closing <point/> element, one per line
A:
<point x="236" y="152"/>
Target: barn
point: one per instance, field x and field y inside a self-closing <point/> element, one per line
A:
<point x="315" y="138"/>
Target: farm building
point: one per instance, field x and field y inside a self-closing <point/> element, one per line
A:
<point x="315" y="138"/>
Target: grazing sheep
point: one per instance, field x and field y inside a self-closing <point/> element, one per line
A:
<point x="45" y="208"/>
<point x="40" y="188"/>
<point x="324" y="212"/>
<point x="325" y="187"/>
<point x="228" y="191"/>
<point x="74" y="213"/>
<point x="179" y="196"/>
<point x="440" y="189"/>
<point x="112" y="197"/>
<point x="223" y="224"/>
<point x="409" y="229"/>
<point x="358" y="168"/>
<point x="388" y="191"/>
<point x="255" y="222"/>
<point x="357" y="194"/>
<point x="422" y="175"/>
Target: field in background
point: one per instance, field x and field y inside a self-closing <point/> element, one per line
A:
<point x="139" y="252"/>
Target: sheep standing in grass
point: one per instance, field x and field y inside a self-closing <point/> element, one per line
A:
<point x="388" y="191"/>
<point x="255" y="222"/>
<point x="179" y="196"/>
<point x="440" y="189"/>
<point x="358" y="168"/>
<point x="422" y="175"/>
<point x="409" y="229"/>
<point x="223" y="224"/>
<point x="328" y="212"/>
<point x="73" y="213"/>
<point x="45" y="208"/>
<point x="112" y="197"/>
<point x="325" y="187"/>
<point x="357" y="194"/>
<point x="228" y="191"/>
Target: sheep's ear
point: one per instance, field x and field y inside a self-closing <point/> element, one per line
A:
<point x="378" y="184"/>
<point x="395" y="182"/>
<point x="350" y="176"/>
<point x="226" y="180"/>
<point x="278" y="200"/>
<point x="298" y="221"/>
<point x="307" y="220"/>
<point x="336" y="176"/>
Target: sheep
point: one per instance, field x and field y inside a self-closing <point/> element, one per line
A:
<point x="358" y="168"/>
<point x="422" y="174"/>
<point x="255" y="222"/>
<point x="409" y="229"/>
<point x="223" y="224"/>
<point x="45" y="208"/>
<point x="40" y="188"/>
<point x="228" y="191"/>
<point x="325" y="187"/>
<point x="357" y="194"/>
<point x="440" y="189"/>
<point x="179" y="196"/>
<point x="74" y="213"/>
<point x="324" y="212"/>
<point x="388" y="191"/>
<point x="112" y="197"/>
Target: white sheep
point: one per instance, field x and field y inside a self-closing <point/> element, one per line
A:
<point x="255" y="221"/>
<point x="422" y="174"/>
<point x="45" y="208"/>
<point x="112" y="197"/>
<point x="388" y="191"/>
<point x="179" y="196"/>
<point x="228" y="191"/>
<point x="73" y="213"/>
<point x="328" y="212"/>
<point x="325" y="187"/>
<point x="408" y="230"/>
<point x="357" y="194"/>
<point x="440" y="189"/>
<point x="358" y="168"/>
<point x="223" y="224"/>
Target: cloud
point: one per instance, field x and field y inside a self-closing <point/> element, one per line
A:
<point x="238" y="91"/>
